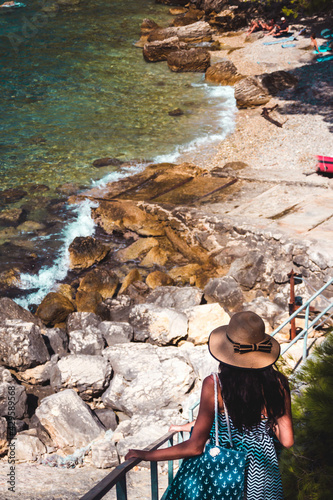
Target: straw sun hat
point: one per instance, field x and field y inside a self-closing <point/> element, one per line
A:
<point x="243" y="343"/>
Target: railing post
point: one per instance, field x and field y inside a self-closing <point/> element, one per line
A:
<point x="170" y="464"/>
<point x="306" y="327"/>
<point x="154" y="480"/>
<point x="121" y="488"/>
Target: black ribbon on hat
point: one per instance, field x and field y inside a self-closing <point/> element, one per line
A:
<point x="263" y="346"/>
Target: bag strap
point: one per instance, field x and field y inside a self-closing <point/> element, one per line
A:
<point x="216" y="415"/>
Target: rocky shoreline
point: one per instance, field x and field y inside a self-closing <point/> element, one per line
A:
<point x="118" y="351"/>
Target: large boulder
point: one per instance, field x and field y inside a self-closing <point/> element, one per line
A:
<point x="86" y="342"/>
<point x="229" y="20"/>
<point x="116" y="333"/>
<point x="84" y="252"/>
<point x="158" y="325"/>
<point x="22" y="345"/>
<point x="250" y="92"/>
<point x="119" y="308"/>
<point x="195" y="32"/>
<point x="223" y="72"/>
<point x="195" y="60"/>
<point x="147" y="26"/>
<point x="104" y="454"/>
<point x="10" y="310"/>
<point x="203" y="319"/>
<point x="13" y="397"/>
<point x="226" y="292"/>
<point x="277" y="81"/>
<point x="160" y="49"/>
<point x="136" y="249"/>
<point x="134" y="390"/>
<point x="82" y="321"/>
<point x="54" y="309"/>
<point x="175" y="297"/>
<point x="89" y="375"/>
<point x="99" y="280"/>
<point x="88" y="301"/>
<point x="68" y="420"/>
<point x="123" y="215"/>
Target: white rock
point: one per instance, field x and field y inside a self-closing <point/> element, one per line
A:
<point x="175" y="297"/>
<point x="89" y="374"/>
<point x="88" y="341"/>
<point x="203" y="319"/>
<point x="104" y="454"/>
<point x="28" y="448"/>
<point x="68" y="420"/>
<point x="116" y="332"/>
<point x="159" y="325"/>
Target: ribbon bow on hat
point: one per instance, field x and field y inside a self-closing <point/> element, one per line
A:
<point x="263" y="346"/>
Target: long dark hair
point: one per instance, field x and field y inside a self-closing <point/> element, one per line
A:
<point x="249" y="393"/>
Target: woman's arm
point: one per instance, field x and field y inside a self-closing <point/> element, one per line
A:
<point x="196" y="443"/>
<point x="284" y="426"/>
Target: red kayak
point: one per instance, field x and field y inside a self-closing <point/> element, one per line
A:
<point x="325" y="164"/>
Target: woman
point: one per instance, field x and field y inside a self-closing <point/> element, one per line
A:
<point x="257" y="398"/>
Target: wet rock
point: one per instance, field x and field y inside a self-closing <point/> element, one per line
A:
<point x="104" y="454"/>
<point x="100" y="280"/>
<point x="107" y="417"/>
<point x="147" y="26"/>
<point x="9" y="388"/>
<point x="136" y="249"/>
<point x="133" y="276"/>
<point x="10" y="310"/>
<point x="157" y="279"/>
<point x="134" y="390"/>
<point x="11" y="195"/>
<point x="160" y="49"/>
<point x="176" y="112"/>
<point x="85" y="252"/>
<point x="223" y="72"/>
<point x="68" y="420"/>
<point x="3" y="436"/>
<point x="10" y="279"/>
<point x="226" y="292"/>
<point x="175" y="297"/>
<point x="28" y="448"/>
<point x="88" y="301"/>
<point x="202" y="319"/>
<point x="158" y="325"/>
<point x="54" y="309"/>
<point x="116" y="333"/>
<point x="89" y="375"/>
<point x="103" y="162"/>
<point x="22" y="345"/>
<point x="56" y="341"/>
<point x="250" y="92"/>
<point x="192" y="60"/>
<point x="68" y="188"/>
<point x="37" y="139"/>
<point x="12" y="217"/>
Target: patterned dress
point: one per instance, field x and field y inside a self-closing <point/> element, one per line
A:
<point x="262" y="477"/>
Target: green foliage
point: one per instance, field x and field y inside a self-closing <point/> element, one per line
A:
<point x="307" y="468"/>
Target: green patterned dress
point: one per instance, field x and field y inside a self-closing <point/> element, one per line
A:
<point x="262" y="477"/>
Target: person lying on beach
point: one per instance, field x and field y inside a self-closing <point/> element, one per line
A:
<point x="257" y="25"/>
<point x="8" y="4"/>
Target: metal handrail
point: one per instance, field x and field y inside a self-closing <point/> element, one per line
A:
<point x="118" y="476"/>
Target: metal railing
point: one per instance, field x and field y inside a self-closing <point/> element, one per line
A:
<point x="313" y="324"/>
<point x="118" y="476"/>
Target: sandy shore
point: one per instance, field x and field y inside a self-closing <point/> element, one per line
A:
<point x="286" y="153"/>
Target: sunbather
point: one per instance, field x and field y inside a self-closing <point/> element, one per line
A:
<point x="257" y="25"/>
<point x="282" y="28"/>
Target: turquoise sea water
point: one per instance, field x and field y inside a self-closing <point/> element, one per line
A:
<point x="75" y="88"/>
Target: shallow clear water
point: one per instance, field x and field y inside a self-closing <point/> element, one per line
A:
<point x="75" y="88"/>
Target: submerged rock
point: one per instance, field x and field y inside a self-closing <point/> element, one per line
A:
<point x="223" y="72"/>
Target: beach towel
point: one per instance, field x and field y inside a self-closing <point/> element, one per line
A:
<point x="283" y="40"/>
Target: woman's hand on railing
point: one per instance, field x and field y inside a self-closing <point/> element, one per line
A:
<point x="134" y="454"/>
